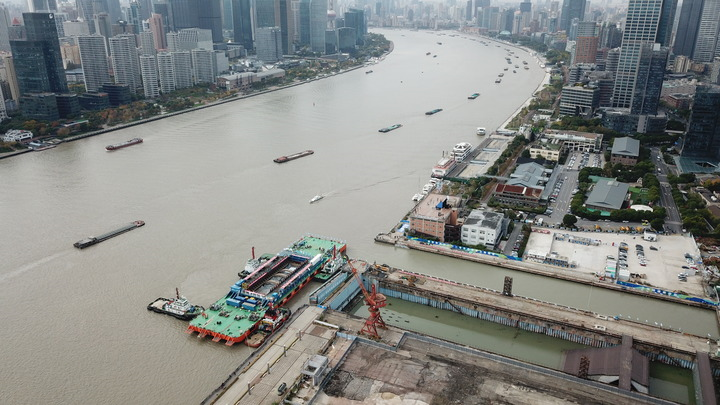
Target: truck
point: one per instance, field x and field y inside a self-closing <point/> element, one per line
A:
<point x="538" y="221"/>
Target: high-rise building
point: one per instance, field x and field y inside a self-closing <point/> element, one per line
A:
<point x="134" y="17"/>
<point x="703" y="134"/>
<point x="183" y="69"/>
<point x="166" y="72"/>
<point x="194" y="38"/>
<point x="158" y="30"/>
<point x="639" y="55"/>
<point x="173" y="41"/>
<point x="203" y="61"/>
<point x="147" y="43"/>
<point x="586" y="44"/>
<point x="649" y="79"/>
<point x="287" y="26"/>
<point x="4" y="25"/>
<point x="149" y="72"/>
<point x="9" y="65"/>
<point x="268" y="44"/>
<point x="93" y="56"/>
<point x="715" y="71"/>
<point x="318" y="22"/>
<point x="38" y="62"/>
<point x="356" y="19"/>
<point x="571" y="9"/>
<point x="36" y="6"/>
<point x="687" y="29"/>
<point x="266" y="13"/>
<point x="210" y="18"/>
<point x="706" y="44"/>
<point x="304" y="23"/>
<point x="125" y="61"/>
<point x="242" y="23"/>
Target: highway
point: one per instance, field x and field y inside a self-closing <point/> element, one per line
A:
<point x="673" y="221"/>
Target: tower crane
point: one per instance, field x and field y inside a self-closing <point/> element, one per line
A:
<point x="374" y="301"/>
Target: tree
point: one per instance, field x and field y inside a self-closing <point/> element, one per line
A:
<point x="657" y="224"/>
<point x="569" y="220"/>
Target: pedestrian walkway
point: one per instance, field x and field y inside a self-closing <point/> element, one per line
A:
<point x="282" y="362"/>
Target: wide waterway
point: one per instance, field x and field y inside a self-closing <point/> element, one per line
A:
<point x="74" y="324"/>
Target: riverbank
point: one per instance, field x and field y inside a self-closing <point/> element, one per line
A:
<point x="235" y="97"/>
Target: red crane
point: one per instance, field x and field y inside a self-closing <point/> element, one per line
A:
<point x="374" y="301"/>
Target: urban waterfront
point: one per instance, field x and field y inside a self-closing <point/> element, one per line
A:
<point x="75" y="325"/>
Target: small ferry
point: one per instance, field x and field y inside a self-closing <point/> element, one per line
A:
<point x="178" y="307"/>
<point x="390" y="128"/>
<point x="435" y="111"/>
<point x="271" y="322"/>
<point x="316" y="198"/>
<point x="473" y="96"/>
<point x="125" y="144"/>
<point x="283" y="159"/>
<point x="480" y="131"/>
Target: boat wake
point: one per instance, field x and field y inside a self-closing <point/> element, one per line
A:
<point x="30" y="266"/>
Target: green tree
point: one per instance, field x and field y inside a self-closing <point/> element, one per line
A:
<point x="569" y="220"/>
<point x="657" y="224"/>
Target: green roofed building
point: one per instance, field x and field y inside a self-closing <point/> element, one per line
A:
<point x="607" y="195"/>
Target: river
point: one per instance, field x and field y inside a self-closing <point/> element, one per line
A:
<point x="75" y="328"/>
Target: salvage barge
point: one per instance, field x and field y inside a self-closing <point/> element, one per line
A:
<point x="91" y="240"/>
<point x="235" y="316"/>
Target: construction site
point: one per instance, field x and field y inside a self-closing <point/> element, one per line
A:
<point x="325" y="356"/>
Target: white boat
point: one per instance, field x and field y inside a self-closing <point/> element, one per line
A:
<point x="480" y="131"/>
<point x="316" y="198"/>
<point x="417" y="197"/>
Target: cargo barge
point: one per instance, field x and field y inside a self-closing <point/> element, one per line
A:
<point x="125" y="144"/>
<point x="235" y="316"/>
<point x="283" y="159"/>
<point x="91" y="240"/>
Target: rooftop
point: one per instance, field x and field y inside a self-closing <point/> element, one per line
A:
<point x="626" y="146"/>
<point x="428" y="207"/>
<point x="608" y="194"/>
<point x="485" y="219"/>
<point x="526" y="191"/>
<point x="529" y="175"/>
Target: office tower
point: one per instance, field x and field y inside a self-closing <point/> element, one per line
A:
<point x="586" y="44"/>
<point x="318" y="22"/>
<point x="146" y="8"/>
<point x="158" y="30"/>
<point x="204" y="65"/>
<point x="173" y="41"/>
<point x="42" y="5"/>
<point x="703" y="134"/>
<point x="242" y="23"/>
<point x="638" y="46"/>
<point x="5" y="23"/>
<point x="267" y="13"/>
<point x="706" y="44"/>
<point x="183" y="69"/>
<point x="149" y="72"/>
<point x="93" y="56"/>
<point x="210" y="18"/>
<point x="75" y="28"/>
<point x="11" y="77"/>
<point x="166" y="72"/>
<point x="147" y="43"/>
<point x="304" y="22"/>
<point x="103" y="25"/>
<point x="287" y="26"/>
<point x="268" y="44"/>
<point x="648" y="84"/>
<point x="125" y="61"/>
<point x="356" y="19"/>
<point x="687" y="29"/>
<point x="571" y="9"/>
<point x="134" y="18"/>
<point x="38" y="62"/>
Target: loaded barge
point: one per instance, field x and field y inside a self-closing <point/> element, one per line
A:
<point x="283" y="159"/>
<point x="91" y="240"/>
<point x="125" y="144"/>
<point x="236" y="315"/>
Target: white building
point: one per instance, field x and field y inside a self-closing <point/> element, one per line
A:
<point x="268" y="44"/>
<point x="147" y="43"/>
<point x="482" y="227"/>
<point x="125" y="61"/>
<point x="148" y="67"/>
<point x="183" y="69"/>
<point x="194" y="38"/>
<point x="166" y="72"/>
<point x="203" y="62"/>
<point x="16" y="135"/>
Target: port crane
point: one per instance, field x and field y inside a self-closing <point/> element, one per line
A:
<point x="374" y="301"/>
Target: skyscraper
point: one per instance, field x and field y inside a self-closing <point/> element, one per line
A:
<point x="183" y="69"/>
<point x="147" y="43"/>
<point x="166" y="71"/>
<point x="638" y="47"/>
<point x="687" y="29"/>
<point x="318" y="22"/>
<point x="571" y="9"/>
<point x="149" y="72"/>
<point x="586" y="44"/>
<point x="242" y="23"/>
<point x="4" y="25"/>
<point x="125" y="61"/>
<point x="268" y="44"/>
<point x="266" y="13"/>
<point x="158" y="30"/>
<point x="93" y="56"/>
<point x="38" y="62"/>
<point x="706" y="44"/>
<point x="703" y="135"/>
<point x="356" y="19"/>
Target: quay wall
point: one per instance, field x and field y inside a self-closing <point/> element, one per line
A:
<point x="516" y="264"/>
<point x="586" y="334"/>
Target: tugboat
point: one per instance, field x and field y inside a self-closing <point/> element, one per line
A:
<point x="253" y="263"/>
<point x="271" y="322"/>
<point x="178" y="307"/>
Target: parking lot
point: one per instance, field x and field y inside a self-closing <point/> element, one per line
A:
<point x="663" y="260"/>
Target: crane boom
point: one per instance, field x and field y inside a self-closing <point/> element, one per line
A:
<point x="374" y="301"/>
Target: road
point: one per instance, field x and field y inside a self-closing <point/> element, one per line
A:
<point x="673" y="222"/>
